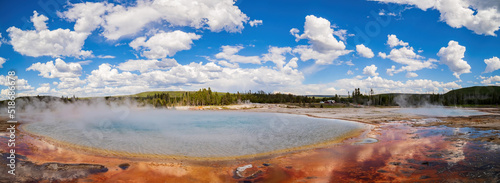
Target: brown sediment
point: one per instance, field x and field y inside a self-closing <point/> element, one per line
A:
<point x="483" y="122"/>
<point x="403" y="153"/>
<point x="3" y="124"/>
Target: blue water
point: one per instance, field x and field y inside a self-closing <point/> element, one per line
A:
<point x="193" y="133"/>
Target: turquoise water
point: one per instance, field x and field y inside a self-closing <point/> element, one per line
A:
<point x="193" y="133"/>
<point x="440" y="112"/>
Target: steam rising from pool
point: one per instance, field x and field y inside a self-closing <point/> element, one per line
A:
<point x="440" y="111"/>
<point x="193" y="133"/>
<point x="425" y="108"/>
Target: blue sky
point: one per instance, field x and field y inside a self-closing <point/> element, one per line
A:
<point x="101" y="48"/>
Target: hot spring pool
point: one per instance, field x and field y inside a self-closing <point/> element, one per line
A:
<point x="440" y="112"/>
<point x="194" y="133"/>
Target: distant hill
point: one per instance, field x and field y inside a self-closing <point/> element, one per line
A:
<point x="470" y="96"/>
<point x="484" y="90"/>
<point x="477" y="95"/>
<point x="476" y="90"/>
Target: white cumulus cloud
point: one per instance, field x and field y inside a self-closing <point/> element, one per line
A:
<point x="164" y="44"/>
<point x="453" y="56"/>
<point x="277" y="56"/>
<point x="492" y="80"/>
<point x="323" y="47"/>
<point x="21" y="84"/>
<point x="364" y="51"/>
<point x="393" y="41"/>
<point x="480" y="16"/>
<point x="57" y="69"/>
<point x="230" y="54"/>
<point x="39" y="21"/>
<point x="493" y="64"/>
<point x="124" y="20"/>
<point x="106" y="76"/>
<point x="370" y="70"/>
<point x="406" y="56"/>
<point x="169" y="75"/>
<point x="111" y="80"/>
<point x="44" y="42"/>
<point x="87" y="16"/>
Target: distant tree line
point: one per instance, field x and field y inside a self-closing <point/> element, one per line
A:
<point x="483" y="95"/>
<point x="468" y="96"/>
<point x="208" y="97"/>
<point x="478" y="95"/>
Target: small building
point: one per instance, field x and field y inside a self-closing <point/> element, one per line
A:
<point x="330" y="102"/>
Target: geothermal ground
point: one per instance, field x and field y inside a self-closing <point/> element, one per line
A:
<point x="397" y="147"/>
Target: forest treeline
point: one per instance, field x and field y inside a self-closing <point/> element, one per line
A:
<point x="483" y="95"/>
<point x="480" y="95"/>
<point x="208" y="97"/>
